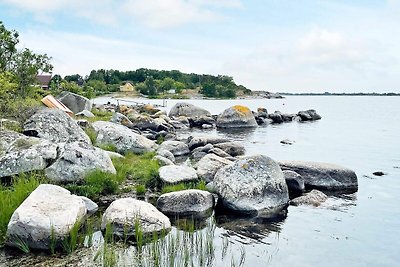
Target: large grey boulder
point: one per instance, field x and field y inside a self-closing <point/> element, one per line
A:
<point x="197" y="203"/>
<point x="145" y="122"/>
<point x="177" y="148"/>
<point x="195" y="142"/>
<point x="6" y="140"/>
<point x="232" y="148"/>
<point x="54" y="125"/>
<point x="49" y="210"/>
<point x="122" y="138"/>
<point x="209" y="165"/>
<point x="124" y="214"/>
<point x="177" y="173"/>
<point x="187" y="110"/>
<point x="323" y="175"/>
<point x="236" y="117"/>
<point x="76" y="160"/>
<point x="314" y="198"/>
<point x="252" y="185"/>
<point x="76" y="103"/>
<point x="26" y="154"/>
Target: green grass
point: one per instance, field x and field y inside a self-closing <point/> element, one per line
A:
<point x="201" y="185"/>
<point x="100" y="115"/>
<point x="140" y="190"/>
<point x="108" y="147"/>
<point x="12" y="196"/>
<point x="92" y="134"/>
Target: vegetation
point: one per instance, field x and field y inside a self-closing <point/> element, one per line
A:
<point x="201" y="185"/>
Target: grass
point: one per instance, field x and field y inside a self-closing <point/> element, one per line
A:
<point x="108" y="147"/>
<point x="92" y="134"/>
<point x="140" y="190"/>
<point x="201" y="185"/>
<point x="100" y="115"/>
<point x="13" y="195"/>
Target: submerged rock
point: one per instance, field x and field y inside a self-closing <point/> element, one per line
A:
<point x="54" y="125"/>
<point x="177" y="173"/>
<point x="232" y="148"/>
<point x="314" y="198"/>
<point x="124" y="214"/>
<point x="209" y="165"/>
<point x="236" y="117"/>
<point x="252" y="185"/>
<point x="76" y="103"/>
<point x="192" y="202"/>
<point x="323" y="175"/>
<point x="188" y="110"/>
<point x="177" y="148"/>
<point x="48" y="210"/>
<point x="122" y="138"/>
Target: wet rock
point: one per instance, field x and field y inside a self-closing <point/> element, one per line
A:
<point x="323" y="175"/>
<point x="314" y="198"/>
<point x="187" y="110"/>
<point x="294" y="181"/>
<point x="49" y="208"/>
<point x="163" y="161"/>
<point x="76" y="103"/>
<point x="276" y="117"/>
<point x="177" y="173"/>
<point x="202" y="141"/>
<point x="85" y="113"/>
<point x="287" y="142"/>
<point x="23" y="153"/>
<point x="236" y="117"/>
<point x="177" y="148"/>
<point x="124" y="214"/>
<point x="252" y="185"/>
<point x="219" y="152"/>
<point x="196" y="203"/>
<point x="122" y="138"/>
<point x="232" y="148"/>
<point x="166" y="154"/>
<point x="209" y="165"/>
<point x="54" y="125"/>
<point x="308" y="115"/>
<point x="202" y="120"/>
<point x="379" y="173"/>
<point x="76" y="160"/>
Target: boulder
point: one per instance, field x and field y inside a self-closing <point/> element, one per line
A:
<point x="202" y="120"/>
<point x="166" y="154"/>
<point x="178" y="125"/>
<point x="177" y="173"/>
<point x="122" y="138"/>
<point x="209" y="165"/>
<point x="276" y="117"/>
<point x="48" y="210"/>
<point x="124" y="214"/>
<point x="197" y="155"/>
<point x="262" y="112"/>
<point x="177" y="148"/>
<point x="76" y="103"/>
<point x="219" y="152"/>
<point x="163" y="161"/>
<point x="54" y="125"/>
<point x="6" y="140"/>
<point x="308" y="115"/>
<point x="314" y="198"/>
<point x="236" y="117"/>
<point x="121" y="119"/>
<point x="76" y="160"/>
<point x="188" y="110"/>
<point x="232" y="148"/>
<point x="85" y="113"/>
<point x="294" y="181"/>
<point x="91" y="206"/>
<point x="252" y="185"/>
<point x="202" y="141"/>
<point x="323" y="176"/>
<point x="192" y="202"/>
<point x="25" y="154"/>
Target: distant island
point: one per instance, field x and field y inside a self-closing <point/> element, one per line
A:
<point x="339" y="94"/>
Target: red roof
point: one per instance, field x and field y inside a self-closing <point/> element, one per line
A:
<point x="44" y="79"/>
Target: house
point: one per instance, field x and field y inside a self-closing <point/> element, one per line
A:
<point x="43" y="80"/>
<point x="127" y="87"/>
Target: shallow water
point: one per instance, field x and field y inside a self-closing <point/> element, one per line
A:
<point x="361" y="229"/>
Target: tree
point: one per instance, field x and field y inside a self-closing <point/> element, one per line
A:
<point x="151" y="85"/>
<point x="78" y="79"/>
<point x="167" y="84"/>
<point x="8" y="42"/>
<point x="209" y="90"/>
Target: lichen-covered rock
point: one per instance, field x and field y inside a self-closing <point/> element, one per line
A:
<point x="76" y="160"/>
<point x="314" y="198"/>
<point x="122" y="138"/>
<point x="236" y="117"/>
<point x="209" y="165"/>
<point x="124" y="214"/>
<point x="232" y="148"/>
<point x="323" y="175"/>
<point x="177" y="173"/>
<point x="49" y="210"/>
<point x="76" y="103"/>
<point x="192" y="202"/>
<point x="252" y="185"/>
<point x="24" y="154"/>
<point x="188" y="110"/>
<point x="177" y="148"/>
<point x="54" y="125"/>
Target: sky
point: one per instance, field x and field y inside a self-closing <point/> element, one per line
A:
<point x="272" y="45"/>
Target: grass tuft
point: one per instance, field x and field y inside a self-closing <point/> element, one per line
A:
<point x="201" y="185"/>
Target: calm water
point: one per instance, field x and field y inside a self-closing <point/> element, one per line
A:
<point x="362" y="229"/>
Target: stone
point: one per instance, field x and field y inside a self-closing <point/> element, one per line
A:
<point x="287" y="142"/>
<point x="85" y="113"/>
<point x="163" y="161"/>
<point x="378" y="173"/>
<point x="166" y="154"/>
<point x="323" y="176"/>
<point x="276" y="117"/>
<point x="121" y="119"/>
<point x="177" y="173"/>
<point x="252" y="185"/>
<point x="91" y="206"/>
<point x="125" y="213"/>
<point x="232" y="148"/>
<point x="219" y="152"/>
<point x="177" y="148"/>
<point x="314" y="198"/>
<point x="294" y="181"/>
<point x="236" y="117"/>
<point x="202" y="120"/>
<point x="209" y="165"/>
<point x="76" y="160"/>
<point x="197" y="155"/>
<point x="49" y="208"/>
<point x="187" y="110"/>
<point x="24" y="154"/>
<point x="262" y="112"/>
<point x="122" y="138"/>
<point x="308" y="115"/>
<point x="54" y="125"/>
<point x="76" y="103"/>
<point x="204" y="140"/>
<point x="192" y="202"/>
<point x="178" y="125"/>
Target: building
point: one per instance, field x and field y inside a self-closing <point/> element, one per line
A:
<point x="44" y="80"/>
<point x="127" y="87"/>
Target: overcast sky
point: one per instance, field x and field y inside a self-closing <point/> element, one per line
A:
<point x="274" y="45"/>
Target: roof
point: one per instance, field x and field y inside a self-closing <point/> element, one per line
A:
<point x="44" y="79"/>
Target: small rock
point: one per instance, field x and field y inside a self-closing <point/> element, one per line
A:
<point x="314" y="198"/>
<point x="219" y="152"/>
<point x="202" y="141"/>
<point x="232" y="148"/>
<point x="177" y="148"/>
<point x="166" y="154"/>
<point x="176" y="174"/>
<point x="91" y="206"/>
<point x="287" y="142"/>
<point x="379" y="173"/>
<point x="163" y="161"/>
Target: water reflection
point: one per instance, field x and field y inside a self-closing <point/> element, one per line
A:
<point x="237" y="133"/>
